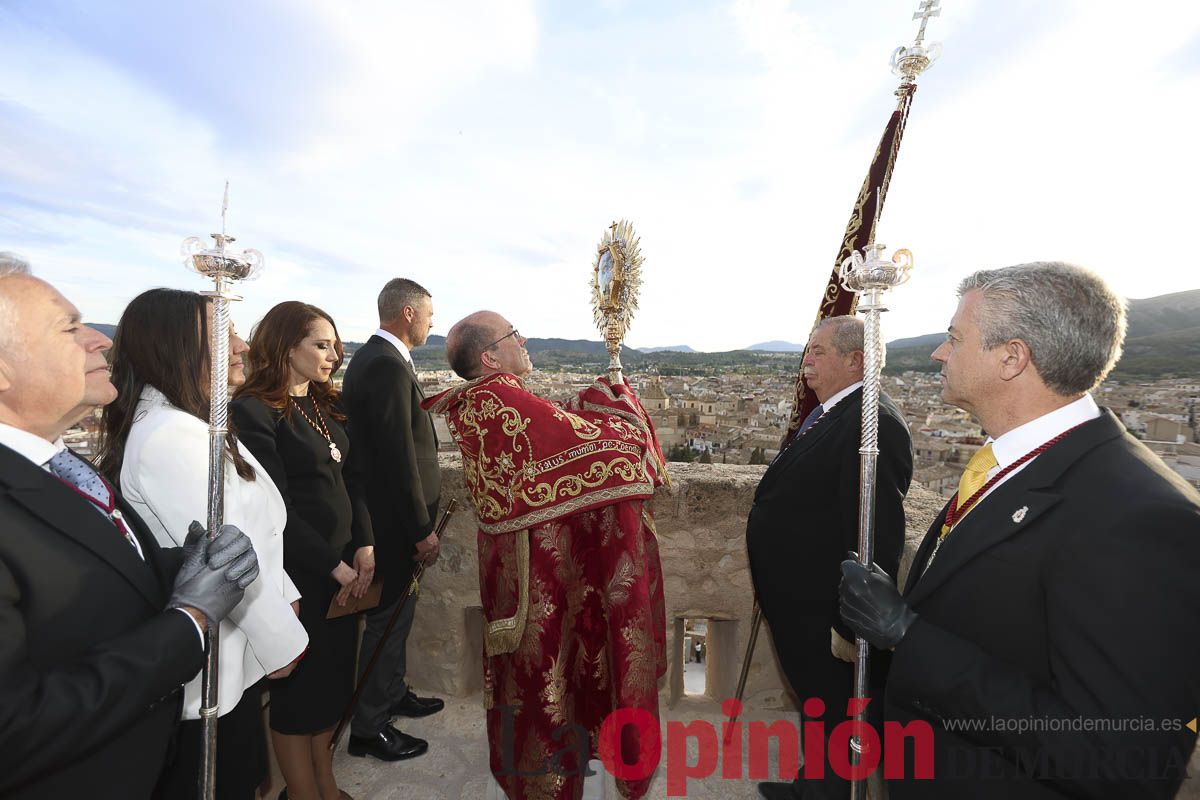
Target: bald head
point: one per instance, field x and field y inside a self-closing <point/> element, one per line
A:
<point x="485" y="342"/>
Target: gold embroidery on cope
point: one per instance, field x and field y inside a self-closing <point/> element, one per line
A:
<point x="503" y="635"/>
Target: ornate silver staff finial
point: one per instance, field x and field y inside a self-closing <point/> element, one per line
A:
<point x="217" y="262"/>
<point x="223" y="267"/>
<point x="909" y="62"/>
<point x="870" y="274"/>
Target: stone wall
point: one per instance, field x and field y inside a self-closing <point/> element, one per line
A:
<point x="701" y="523"/>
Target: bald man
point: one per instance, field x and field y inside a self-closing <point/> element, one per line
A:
<point x="568" y="563"/>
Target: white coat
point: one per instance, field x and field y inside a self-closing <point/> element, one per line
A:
<point x="164" y="476"/>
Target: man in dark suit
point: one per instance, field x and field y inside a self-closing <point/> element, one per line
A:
<point x="1049" y="632"/>
<point x="805" y="518"/>
<point x="99" y="628"/>
<point x="393" y="441"/>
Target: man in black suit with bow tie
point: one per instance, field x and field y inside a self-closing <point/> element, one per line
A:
<point x="395" y="447"/>
<point x="805" y="518"/>
<point x="99" y="628"/>
<point x="1049" y="631"/>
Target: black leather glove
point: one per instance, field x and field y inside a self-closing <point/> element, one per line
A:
<point x="872" y="606"/>
<point x="215" y="573"/>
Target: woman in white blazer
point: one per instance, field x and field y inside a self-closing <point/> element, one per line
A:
<point x="154" y="442"/>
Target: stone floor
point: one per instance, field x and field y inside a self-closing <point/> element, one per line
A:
<point x="457" y="763"/>
<point x="693" y="677"/>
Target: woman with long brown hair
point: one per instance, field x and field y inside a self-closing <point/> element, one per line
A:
<point x="288" y="415"/>
<point x="154" y="443"/>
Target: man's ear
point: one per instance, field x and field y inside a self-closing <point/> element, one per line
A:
<point x="7" y="373"/>
<point x="488" y="359"/>
<point x="1015" y="358"/>
<point x="857" y="359"/>
<point x="409" y="313"/>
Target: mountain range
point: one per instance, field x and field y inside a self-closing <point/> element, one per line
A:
<point x="1163" y="338"/>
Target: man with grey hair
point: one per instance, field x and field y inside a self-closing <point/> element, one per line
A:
<point x="10" y="264"/>
<point x="1049" y="630"/>
<point x="99" y="626"/>
<point x="805" y="518"/>
<point x="394" y="450"/>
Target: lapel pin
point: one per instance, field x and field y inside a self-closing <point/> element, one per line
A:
<point x="1020" y="513"/>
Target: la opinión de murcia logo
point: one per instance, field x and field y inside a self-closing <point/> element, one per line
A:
<point x="726" y="751"/>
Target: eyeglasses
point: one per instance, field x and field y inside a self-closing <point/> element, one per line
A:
<point x="513" y="332"/>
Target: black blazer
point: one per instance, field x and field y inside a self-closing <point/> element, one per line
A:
<point x="1073" y="590"/>
<point x="804" y="520"/>
<point x="90" y="663"/>
<point x="326" y="513"/>
<point x="394" y="447"/>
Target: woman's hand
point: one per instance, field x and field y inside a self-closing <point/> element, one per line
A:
<point x="286" y="670"/>
<point x="344" y="574"/>
<point x="364" y="564"/>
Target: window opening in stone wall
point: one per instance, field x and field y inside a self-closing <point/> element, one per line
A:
<point x="695" y="656"/>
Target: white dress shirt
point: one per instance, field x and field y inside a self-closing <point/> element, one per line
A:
<point x="396" y="343"/>
<point x="1035" y="433"/>
<point x="838" y="397"/>
<point x="40" y="451"/>
<point x="30" y="445"/>
<point x="164" y="476"/>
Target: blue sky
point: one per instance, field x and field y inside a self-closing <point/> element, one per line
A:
<point x="481" y="148"/>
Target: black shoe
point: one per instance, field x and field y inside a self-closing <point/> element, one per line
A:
<point x="387" y="745"/>
<point x="780" y="791"/>
<point x="412" y="706"/>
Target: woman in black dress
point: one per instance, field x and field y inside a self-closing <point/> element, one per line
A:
<point x="287" y="414"/>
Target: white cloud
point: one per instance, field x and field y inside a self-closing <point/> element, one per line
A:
<point x="481" y="148"/>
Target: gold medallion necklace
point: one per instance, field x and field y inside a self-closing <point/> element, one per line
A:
<point x="334" y="452"/>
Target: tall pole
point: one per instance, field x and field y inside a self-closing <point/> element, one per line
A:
<point x="223" y="268"/>
<point x="908" y="62"/>
<point x="869" y="275"/>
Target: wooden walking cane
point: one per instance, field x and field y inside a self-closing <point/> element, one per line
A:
<point x="408" y="592"/>
<point x="755" y="624"/>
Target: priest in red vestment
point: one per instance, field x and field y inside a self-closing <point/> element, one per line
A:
<point x="569" y="572"/>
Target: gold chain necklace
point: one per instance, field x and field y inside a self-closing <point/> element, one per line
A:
<point x="321" y="429"/>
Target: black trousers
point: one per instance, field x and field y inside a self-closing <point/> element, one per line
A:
<point x="241" y="754"/>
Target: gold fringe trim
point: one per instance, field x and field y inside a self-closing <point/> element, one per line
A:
<point x="504" y="635"/>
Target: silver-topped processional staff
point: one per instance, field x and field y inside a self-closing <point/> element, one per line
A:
<point x="907" y="61"/>
<point x="870" y="275"/>
<point x="224" y="267"/>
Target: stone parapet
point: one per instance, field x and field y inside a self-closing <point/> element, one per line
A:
<point x="701" y="524"/>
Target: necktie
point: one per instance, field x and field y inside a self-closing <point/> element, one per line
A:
<point x="808" y="422"/>
<point x="71" y="469"/>
<point x="973" y="479"/>
<point x="811" y="419"/>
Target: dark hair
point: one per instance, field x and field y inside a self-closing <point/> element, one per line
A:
<point x="396" y="294"/>
<point x="275" y="335"/>
<point x="470" y="341"/>
<point x="161" y="341"/>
